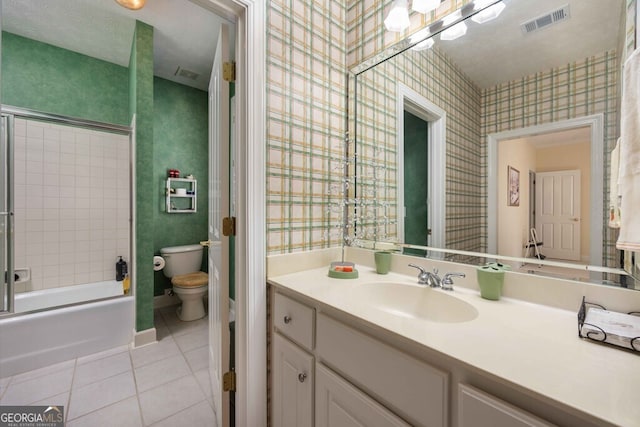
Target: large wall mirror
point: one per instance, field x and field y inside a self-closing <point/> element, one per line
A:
<point x="490" y="138"/>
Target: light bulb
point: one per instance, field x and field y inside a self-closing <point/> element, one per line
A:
<point x="489" y="13"/>
<point x="131" y="4"/>
<point x="424" y="6"/>
<point x="454" y="32"/>
<point x="398" y="18"/>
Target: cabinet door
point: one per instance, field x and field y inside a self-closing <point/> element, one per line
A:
<point x="292" y="384"/>
<point x="479" y="409"/>
<point x="339" y="404"/>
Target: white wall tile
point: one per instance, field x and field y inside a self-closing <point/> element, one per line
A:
<point x="66" y="222"/>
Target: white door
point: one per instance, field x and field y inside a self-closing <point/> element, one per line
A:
<point x="558" y="214"/>
<point x="219" y="244"/>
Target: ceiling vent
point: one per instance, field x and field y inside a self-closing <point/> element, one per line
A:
<point x="187" y="74"/>
<point x="546" y="20"/>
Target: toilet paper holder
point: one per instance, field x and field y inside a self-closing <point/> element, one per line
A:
<point x="158" y="263"/>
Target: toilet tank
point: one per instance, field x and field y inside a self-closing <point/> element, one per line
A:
<point x="181" y="259"/>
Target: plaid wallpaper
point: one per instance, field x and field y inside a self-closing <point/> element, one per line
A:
<point x="449" y="88"/>
<point x="306" y="90"/>
<point x="312" y="44"/>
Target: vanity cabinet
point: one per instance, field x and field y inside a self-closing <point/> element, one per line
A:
<point x="358" y="380"/>
<point x="292" y="384"/>
<point x="477" y="408"/>
<point x="293" y="364"/>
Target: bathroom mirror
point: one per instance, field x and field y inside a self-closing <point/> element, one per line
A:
<point x="461" y="138"/>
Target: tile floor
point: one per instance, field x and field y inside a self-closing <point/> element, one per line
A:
<point x="162" y="384"/>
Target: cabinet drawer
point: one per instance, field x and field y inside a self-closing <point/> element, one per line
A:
<point x="409" y="387"/>
<point x="338" y="403"/>
<point x="479" y="409"/>
<point x="294" y="320"/>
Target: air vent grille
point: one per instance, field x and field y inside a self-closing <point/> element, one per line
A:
<point x="188" y="74"/>
<point x="546" y="20"/>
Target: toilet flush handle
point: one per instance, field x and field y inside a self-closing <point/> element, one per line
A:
<point x="206" y="243"/>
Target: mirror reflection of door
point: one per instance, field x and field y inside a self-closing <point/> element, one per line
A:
<point x="416" y="180"/>
<point x="559" y="164"/>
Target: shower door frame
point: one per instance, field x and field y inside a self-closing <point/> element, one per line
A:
<point x="6" y="213"/>
<point x="7" y="144"/>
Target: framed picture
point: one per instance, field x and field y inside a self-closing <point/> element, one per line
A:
<point x="513" y="192"/>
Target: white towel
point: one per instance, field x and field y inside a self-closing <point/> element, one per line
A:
<point x="614" y="194"/>
<point x="629" y="181"/>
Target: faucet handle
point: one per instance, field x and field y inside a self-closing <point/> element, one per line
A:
<point x="447" y="281"/>
<point x="423" y="275"/>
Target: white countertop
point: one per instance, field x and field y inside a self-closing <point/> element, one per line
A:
<point x="533" y="346"/>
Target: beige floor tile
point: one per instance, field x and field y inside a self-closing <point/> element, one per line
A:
<point x="192" y="340"/>
<point x="36" y="373"/>
<point x="103" y="354"/>
<point x="161" y="402"/>
<point x="101" y="394"/>
<point x="100" y="369"/>
<point x="57" y="400"/>
<point x="160" y="372"/>
<point x="204" y="380"/>
<point x="200" y="415"/>
<point x="39" y="388"/>
<point x="153" y="352"/>
<point x="198" y="359"/>
<point x="125" y="413"/>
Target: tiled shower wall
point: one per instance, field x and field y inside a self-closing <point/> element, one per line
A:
<point x="72" y="198"/>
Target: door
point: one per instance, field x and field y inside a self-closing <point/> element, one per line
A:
<point x="218" y="243"/>
<point x="416" y="180"/>
<point x="558" y="214"/>
<point x="6" y="214"/>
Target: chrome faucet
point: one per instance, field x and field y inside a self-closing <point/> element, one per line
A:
<point x="447" y="281"/>
<point x="427" y="278"/>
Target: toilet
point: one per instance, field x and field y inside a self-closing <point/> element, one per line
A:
<point x="182" y="266"/>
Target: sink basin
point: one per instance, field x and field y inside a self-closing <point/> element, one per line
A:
<point x="415" y="302"/>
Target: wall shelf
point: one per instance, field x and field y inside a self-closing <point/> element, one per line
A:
<point x="181" y="203"/>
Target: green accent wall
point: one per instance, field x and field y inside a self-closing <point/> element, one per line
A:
<point x="141" y="105"/>
<point x="180" y="132"/>
<point x="50" y="79"/>
<point x="415" y="179"/>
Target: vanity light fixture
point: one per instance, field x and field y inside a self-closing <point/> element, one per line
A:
<point x="131" y="4"/>
<point x="398" y="18"/>
<point x="489" y="13"/>
<point x="423" y="45"/>
<point x="420" y="40"/>
<point x="424" y="6"/>
<point x="458" y="30"/>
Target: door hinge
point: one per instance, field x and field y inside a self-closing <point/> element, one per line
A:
<point x="229" y="71"/>
<point x="229" y="381"/>
<point x="229" y="226"/>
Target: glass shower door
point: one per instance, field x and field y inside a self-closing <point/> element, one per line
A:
<point x="6" y="216"/>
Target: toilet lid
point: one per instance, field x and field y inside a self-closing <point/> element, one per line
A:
<point x="191" y="280"/>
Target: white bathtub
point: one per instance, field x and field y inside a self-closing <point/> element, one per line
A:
<point x="34" y="340"/>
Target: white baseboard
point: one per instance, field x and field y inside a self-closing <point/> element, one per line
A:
<point x="148" y="336"/>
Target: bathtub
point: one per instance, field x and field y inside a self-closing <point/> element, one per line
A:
<point x="33" y="340"/>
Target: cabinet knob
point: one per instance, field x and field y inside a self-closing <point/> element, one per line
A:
<point x="287" y="319"/>
<point x="302" y="376"/>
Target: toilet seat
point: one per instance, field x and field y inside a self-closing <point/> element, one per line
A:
<point x="191" y="280"/>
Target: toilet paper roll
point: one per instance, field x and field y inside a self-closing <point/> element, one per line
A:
<point x="158" y="263"/>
